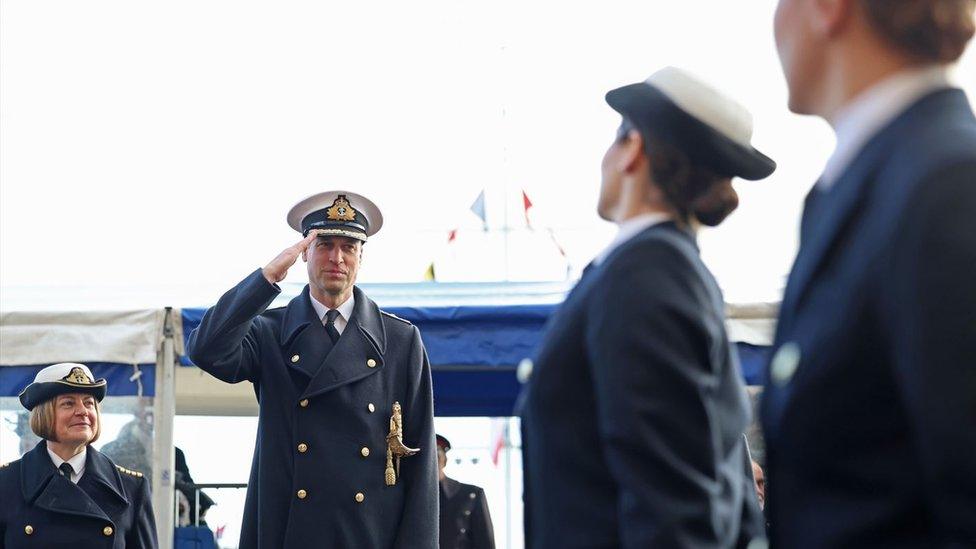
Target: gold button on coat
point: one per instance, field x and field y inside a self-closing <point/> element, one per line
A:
<point x="294" y="358"/>
<point x="370" y="407"/>
<point x="371" y="363"/>
<point x="303" y="403"/>
<point x="302" y="494"/>
<point x="28" y="529"/>
<point x="360" y="497"/>
<point x="364" y="451"/>
<point x="107" y="530"/>
<point x="303" y="447"/>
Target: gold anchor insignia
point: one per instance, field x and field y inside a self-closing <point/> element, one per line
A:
<point x="77" y="375"/>
<point x="341" y="210"/>
<point x="395" y="446"/>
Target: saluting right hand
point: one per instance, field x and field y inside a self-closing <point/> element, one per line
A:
<point x="276" y="270"/>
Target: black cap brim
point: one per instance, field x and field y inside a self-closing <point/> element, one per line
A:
<point x="442" y="442"/>
<point x="651" y="111"/>
<point x="36" y="393"/>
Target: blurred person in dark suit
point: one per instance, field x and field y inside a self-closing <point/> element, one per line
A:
<point x="634" y="413"/>
<point x="184" y="485"/>
<point x="871" y="399"/>
<point x="465" y="522"/>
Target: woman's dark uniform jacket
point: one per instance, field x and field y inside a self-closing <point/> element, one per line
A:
<point x="110" y="507"/>
<point x="634" y="413"/>
<point x="317" y="477"/>
<point x="465" y="520"/>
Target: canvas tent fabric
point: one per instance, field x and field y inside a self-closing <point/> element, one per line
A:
<point x="474" y="348"/>
<point x="120" y="346"/>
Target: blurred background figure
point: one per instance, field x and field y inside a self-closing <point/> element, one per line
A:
<point x="132" y="448"/>
<point x="187" y="494"/>
<point x="871" y="398"/>
<point x="760" y="478"/>
<point x="465" y="522"/>
<point x="27" y="438"/>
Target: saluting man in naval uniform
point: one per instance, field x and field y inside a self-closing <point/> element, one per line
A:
<point x="345" y="453"/>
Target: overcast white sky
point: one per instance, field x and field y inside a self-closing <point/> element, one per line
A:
<point x="153" y="149"/>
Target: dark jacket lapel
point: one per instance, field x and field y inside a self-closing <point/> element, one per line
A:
<point x="303" y="334"/>
<point x="46" y="488"/>
<point x="105" y="475"/>
<point x="835" y="208"/>
<point x="450" y="487"/>
<point x="363" y="339"/>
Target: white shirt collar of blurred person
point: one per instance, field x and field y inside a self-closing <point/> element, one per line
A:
<point x="862" y="118"/>
<point x="345" y="311"/>
<point x="629" y="229"/>
<point x="77" y="462"/>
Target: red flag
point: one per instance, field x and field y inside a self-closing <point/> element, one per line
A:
<point x="500" y="435"/>
<point x="451" y="236"/>
<point x="526" y="204"/>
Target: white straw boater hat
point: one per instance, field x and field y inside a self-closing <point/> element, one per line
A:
<point x="712" y="129"/>
<point x="60" y="379"/>
<point x="339" y="213"/>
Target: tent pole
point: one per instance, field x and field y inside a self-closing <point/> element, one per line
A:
<point x="164" y="411"/>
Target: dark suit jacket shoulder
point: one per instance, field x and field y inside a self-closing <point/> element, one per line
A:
<point x="879" y="315"/>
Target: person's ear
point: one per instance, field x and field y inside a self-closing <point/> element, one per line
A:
<point x="632" y="152"/>
<point x="830" y="17"/>
<point x="305" y="255"/>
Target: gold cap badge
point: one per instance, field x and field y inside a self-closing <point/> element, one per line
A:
<point x="77" y="375"/>
<point x="341" y="210"/>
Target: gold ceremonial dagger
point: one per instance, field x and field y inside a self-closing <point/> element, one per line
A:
<point x="395" y="446"/>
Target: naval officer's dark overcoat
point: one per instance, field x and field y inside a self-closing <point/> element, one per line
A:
<point x="465" y="519"/>
<point x="317" y="478"/>
<point x="110" y="507"/>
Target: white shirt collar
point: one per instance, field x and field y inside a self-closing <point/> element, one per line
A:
<point x="345" y="311"/>
<point x="630" y="228"/>
<point x="864" y="116"/>
<point x="77" y="462"/>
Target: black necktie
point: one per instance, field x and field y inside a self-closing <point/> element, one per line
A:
<point x="66" y="470"/>
<point x="330" y="318"/>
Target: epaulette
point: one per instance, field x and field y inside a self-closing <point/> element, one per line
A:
<point x="129" y="471"/>
<point x="2" y="465"/>
<point x="395" y="317"/>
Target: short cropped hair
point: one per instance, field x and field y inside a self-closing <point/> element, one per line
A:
<point x="43" y="416"/>
<point x="933" y="31"/>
